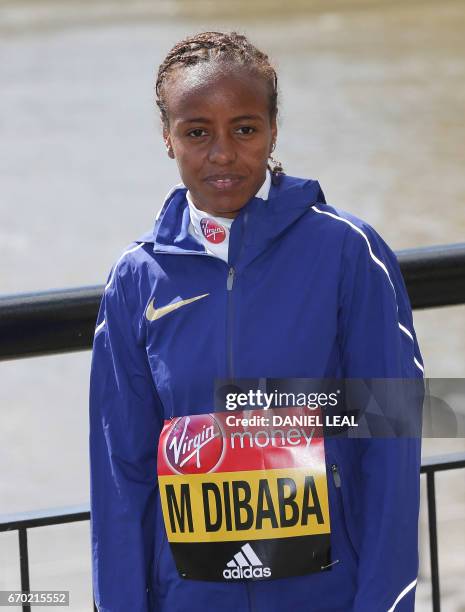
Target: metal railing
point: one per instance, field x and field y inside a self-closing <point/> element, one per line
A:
<point x="61" y="321"/>
<point x="21" y="522"/>
<point x="429" y="466"/>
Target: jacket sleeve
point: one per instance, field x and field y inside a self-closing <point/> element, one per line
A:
<point x="378" y="341"/>
<point x="125" y="423"/>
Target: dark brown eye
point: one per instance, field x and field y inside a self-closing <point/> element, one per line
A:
<point x="245" y="130"/>
<point x="197" y="133"/>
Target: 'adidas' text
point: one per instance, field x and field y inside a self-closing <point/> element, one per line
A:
<point x="245" y="564"/>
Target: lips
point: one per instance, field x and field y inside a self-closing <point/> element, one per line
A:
<point x="224" y="182"/>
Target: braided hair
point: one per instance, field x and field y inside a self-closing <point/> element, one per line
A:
<point x="228" y="47"/>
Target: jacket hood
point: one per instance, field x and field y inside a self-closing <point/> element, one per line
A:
<point x="258" y="222"/>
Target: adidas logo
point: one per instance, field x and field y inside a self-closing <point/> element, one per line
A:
<point x="245" y="564"/>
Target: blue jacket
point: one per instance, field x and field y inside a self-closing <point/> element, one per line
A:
<point x="309" y="292"/>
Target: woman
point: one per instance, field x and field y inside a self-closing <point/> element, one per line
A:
<point x="247" y="274"/>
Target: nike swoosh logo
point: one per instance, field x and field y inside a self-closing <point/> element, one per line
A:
<point x="153" y="313"/>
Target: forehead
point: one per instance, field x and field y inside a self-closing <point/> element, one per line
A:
<point x="209" y="89"/>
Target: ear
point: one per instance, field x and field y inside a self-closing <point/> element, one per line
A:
<point x="167" y="140"/>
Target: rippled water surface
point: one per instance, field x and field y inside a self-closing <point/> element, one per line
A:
<point x="372" y="104"/>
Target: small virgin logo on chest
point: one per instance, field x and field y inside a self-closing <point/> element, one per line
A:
<point x="213" y="231"/>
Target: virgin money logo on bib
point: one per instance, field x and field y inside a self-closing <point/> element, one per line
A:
<point x="194" y="444"/>
<point x="213" y="231"/>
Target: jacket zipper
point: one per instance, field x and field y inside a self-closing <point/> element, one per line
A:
<point x="229" y="323"/>
<point x="337" y="483"/>
<point x="231" y="276"/>
<point x="336" y="476"/>
<point x="230" y="367"/>
<point x="230" y="312"/>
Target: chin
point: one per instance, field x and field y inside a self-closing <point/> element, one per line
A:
<point x="232" y="202"/>
<point x="231" y="208"/>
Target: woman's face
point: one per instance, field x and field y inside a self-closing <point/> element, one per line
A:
<point x="220" y="133"/>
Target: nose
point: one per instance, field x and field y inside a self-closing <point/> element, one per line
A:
<point x="222" y="151"/>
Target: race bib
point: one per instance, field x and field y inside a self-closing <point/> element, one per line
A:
<point x="244" y="495"/>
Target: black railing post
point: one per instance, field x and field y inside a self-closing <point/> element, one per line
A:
<point x="24" y="564"/>
<point x="433" y="541"/>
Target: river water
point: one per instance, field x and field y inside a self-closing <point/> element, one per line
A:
<point x="372" y="105"/>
